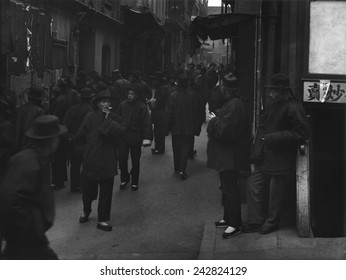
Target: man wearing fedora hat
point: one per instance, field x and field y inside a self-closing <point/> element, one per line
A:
<point x="27" y="202"/>
<point x="99" y="133"/>
<point x="26" y="114"/>
<point x="273" y="155"/>
<point x="228" y="152"/>
<point x="73" y="120"/>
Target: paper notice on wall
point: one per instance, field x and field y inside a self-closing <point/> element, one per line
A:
<point x="324" y="88"/>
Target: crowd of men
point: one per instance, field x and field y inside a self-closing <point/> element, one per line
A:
<point x="95" y="125"/>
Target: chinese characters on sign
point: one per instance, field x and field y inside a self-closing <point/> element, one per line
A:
<point x="325" y="91"/>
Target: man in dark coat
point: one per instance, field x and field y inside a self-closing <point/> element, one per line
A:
<point x="228" y="152"/>
<point x="183" y="121"/>
<point x="73" y="120"/>
<point x="26" y="114"/>
<point x="118" y="89"/>
<point x="99" y="132"/>
<point x="136" y="132"/>
<point x="157" y="105"/>
<point x="285" y="126"/>
<point x="26" y="198"/>
<point x="7" y="136"/>
<point x="64" y="98"/>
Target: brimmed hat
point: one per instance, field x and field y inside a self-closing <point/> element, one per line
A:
<point x="133" y="89"/>
<point x="103" y="94"/>
<point x="229" y="81"/>
<point x="45" y="127"/>
<point x="86" y="93"/>
<point x="157" y="75"/>
<point x="35" y="92"/>
<point x="279" y="80"/>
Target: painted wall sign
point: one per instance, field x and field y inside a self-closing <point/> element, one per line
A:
<point x="324" y="91"/>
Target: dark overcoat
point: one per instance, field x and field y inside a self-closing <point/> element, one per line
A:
<point x="182" y="113"/>
<point x="158" y="111"/>
<point x="100" y="136"/>
<point x="26" y="199"/>
<point x="24" y="118"/>
<point x="229" y="138"/>
<point x="135" y="122"/>
<point x="285" y="126"/>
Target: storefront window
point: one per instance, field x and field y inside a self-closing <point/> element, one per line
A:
<point x="327" y="51"/>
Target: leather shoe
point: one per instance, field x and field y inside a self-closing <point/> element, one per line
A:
<point x="123" y="184"/>
<point x="248" y="228"/>
<point x="156" y="152"/>
<point x="226" y="235"/>
<point x="265" y="229"/>
<point x="84" y="218"/>
<point x="104" y="227"/>
<point x="221" y="224"/>
<point x="134" y="187"/>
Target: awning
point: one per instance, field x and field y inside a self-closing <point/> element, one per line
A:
<point x="139" y="21"/>
<point x="219" y="26"/>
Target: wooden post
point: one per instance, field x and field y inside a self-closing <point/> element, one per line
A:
<point x="303" y="191"/>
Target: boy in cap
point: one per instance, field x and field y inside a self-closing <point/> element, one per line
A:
<point x="27" y="203"/>
<point x="136" y="132"/>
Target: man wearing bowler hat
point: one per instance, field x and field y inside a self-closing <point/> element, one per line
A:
<point x="26" y="199"/>
<point x="26" y="114"/>
<point x="273" y="156"/>
<point x="228" y="152"/>
<point x="99" y="133"/>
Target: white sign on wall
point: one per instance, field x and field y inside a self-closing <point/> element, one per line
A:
<point x="324" y="91"/>
<point x="327" y="49"/>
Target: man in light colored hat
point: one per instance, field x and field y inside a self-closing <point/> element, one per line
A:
<point x="228" y="152"/>
<point x="99" y="133"/>
<point x="273" y="156"/>
<point x="26" y="199"/>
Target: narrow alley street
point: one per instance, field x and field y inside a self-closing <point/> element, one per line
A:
<point x="164" y="219"/>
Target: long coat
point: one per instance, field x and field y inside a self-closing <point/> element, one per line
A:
<point x="158" y="111"/>
<point x="182" y="113"/>
<point x="7" y="144"/>
<point x="73" y="120"/>
<point x="135" y="122"/>
<point x="285" y="126"/>
<point x="229" y="138"/>
<point x="100" y="136"/>
<point x="26" y="199"/>
<point x="24" y="118"/>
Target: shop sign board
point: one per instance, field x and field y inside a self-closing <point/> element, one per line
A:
<point x="324" y="91"/>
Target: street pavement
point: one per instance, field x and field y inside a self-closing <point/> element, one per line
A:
<point x="164" y="219"/>
<point x="170" y="219"/>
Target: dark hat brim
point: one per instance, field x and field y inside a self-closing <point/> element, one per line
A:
<point x="276" y="86"/>
<point x="31" y="133"/>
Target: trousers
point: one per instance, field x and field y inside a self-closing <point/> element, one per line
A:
<point x="231" y="199"/>
<point x="135" y="152"/>
<point x="181" y="145"/>
<point x="90" y="192"/>
<point x="264" y="207"/>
